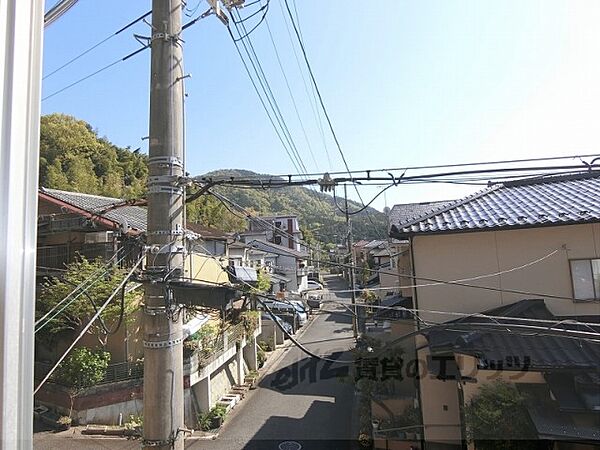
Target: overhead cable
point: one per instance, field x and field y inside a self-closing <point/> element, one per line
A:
<point x="72" y="60"/>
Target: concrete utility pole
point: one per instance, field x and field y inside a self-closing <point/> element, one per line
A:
<point x="163" y="334"/>
<point x="353" y="265"/>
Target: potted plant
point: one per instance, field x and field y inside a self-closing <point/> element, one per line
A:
<point x="63" y="423"/>
<point x="218" y="414"/>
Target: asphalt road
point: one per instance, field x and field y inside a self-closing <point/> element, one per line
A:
<point x="300" y="402"/>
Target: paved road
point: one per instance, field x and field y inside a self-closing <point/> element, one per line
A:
<point x="300" y="399"/>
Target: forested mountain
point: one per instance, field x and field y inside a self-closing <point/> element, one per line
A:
<point x="316" y="210"/>
<point x="73" y="157"/>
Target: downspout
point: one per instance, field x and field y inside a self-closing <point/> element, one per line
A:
<point x="418" y="326"/>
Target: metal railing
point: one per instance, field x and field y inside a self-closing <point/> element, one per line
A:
<point x="222" y="343"/>
<point x="114" y="372"/>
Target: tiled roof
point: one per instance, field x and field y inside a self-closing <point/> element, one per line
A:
<point x="131" y="216"/>
<point x="405" y="212"/>
<point x="276" y="249"/>
<point x="503" y="348"/>
<point x="558" y="200"/>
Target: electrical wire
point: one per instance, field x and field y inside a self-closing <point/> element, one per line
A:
<point x="262" y="101"/>
<point x="321" y="102"/>
<point x="441" y="282"/>
<point x="93" y="47"/>
<point x="311" y="96"/>
<point x="248" y="33"/>
<point x="89" y="324"/>
<point x="593" y="326"/>
<point x="257" y="66"/>
<point x="441" y="166"/>
<point x="108" y="66"/>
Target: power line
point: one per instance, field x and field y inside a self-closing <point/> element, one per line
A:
<point x="593" y="326"/>
<point x="312" y="76"/>
<point x="291" y="94"/>
<point x="311" y="96"/>
<point x="108" y="66"/>
<point x="85" y="52"/>
<point x="465" y="164"/>
<point x="250" y="51"/>
<point x="262" y="101"/>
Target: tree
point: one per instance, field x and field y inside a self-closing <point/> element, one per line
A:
<point x="101" y="282"/>
<point x="210" y="212"/>
<point x="82" y="368"/>
<point x="73" y="157"/>
<point x="497" y="419"/>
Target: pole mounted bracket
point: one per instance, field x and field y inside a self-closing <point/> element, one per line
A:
<point x="165" y="161"/>
<point x="163" y="344"/>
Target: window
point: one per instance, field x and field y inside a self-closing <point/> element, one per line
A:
<point x="586" y="278"/>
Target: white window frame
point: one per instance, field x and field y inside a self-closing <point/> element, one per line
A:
<point x="595" y="287"/>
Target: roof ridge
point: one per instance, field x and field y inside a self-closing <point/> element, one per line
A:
<point x="50" y="190"/>
<point x="579" y="175"/>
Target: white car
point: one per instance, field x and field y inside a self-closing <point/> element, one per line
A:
<point x="313" y="286"/>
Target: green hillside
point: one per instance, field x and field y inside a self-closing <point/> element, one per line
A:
<point x="73" y="157"/>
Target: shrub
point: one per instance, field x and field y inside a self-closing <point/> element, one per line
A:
<point x="206" y="420"/>
<point x="497" y="418"/>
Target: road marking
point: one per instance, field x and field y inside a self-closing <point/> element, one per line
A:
<point x="290" y="445"/>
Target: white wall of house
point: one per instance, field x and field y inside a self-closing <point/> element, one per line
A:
<point x="465" y="255"/>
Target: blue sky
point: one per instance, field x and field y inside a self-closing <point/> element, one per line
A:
<point x="405" y="83"/>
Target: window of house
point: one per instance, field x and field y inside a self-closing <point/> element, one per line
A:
<point x="586" y="278"/>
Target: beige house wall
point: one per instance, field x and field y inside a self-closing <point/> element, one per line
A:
<point x="203" y="268"/>
<point x="466" y="255"/>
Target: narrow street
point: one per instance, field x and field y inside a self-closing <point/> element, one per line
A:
<point x="300" y="399"/>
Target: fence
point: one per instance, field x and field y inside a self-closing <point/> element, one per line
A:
<point x="114" y="372"/>
<point x="222" y="343"/>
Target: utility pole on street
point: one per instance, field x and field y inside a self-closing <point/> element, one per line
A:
<point x="352" y="264"/>
<point x="163" y="333"/>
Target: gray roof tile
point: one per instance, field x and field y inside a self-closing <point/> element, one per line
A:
<point x="406" y="212"/>
<point x="555" y="200"/>
<point x="132" y="216"/>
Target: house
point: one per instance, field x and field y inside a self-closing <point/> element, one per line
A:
<point x="281" y="230"/>
<point x="72" y="224"/>
<point x="535" y="238"/>
<point x="291" y="264"/>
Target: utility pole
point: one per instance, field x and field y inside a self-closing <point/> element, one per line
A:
<point x="163" y="333"/>
<point x="352" y="264"/>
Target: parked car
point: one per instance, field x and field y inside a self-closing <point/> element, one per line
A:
<point x="301" y="310"/>
<point x="314" y="286"/>
<point x="314" y="301"/>
<point x="285" y="325"/>
<point x="290" y="313"/>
